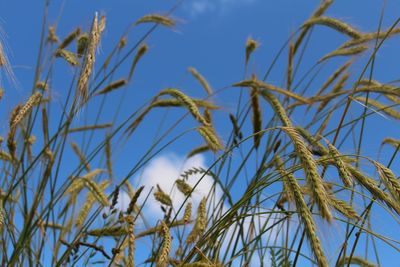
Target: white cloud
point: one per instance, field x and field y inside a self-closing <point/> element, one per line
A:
<point x="198" y="7"/>
<point x="164" y="171"/>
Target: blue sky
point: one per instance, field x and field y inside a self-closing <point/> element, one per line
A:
<point x="210" y="36"/>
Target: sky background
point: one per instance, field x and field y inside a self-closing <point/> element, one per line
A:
<point x="210" y="36"/>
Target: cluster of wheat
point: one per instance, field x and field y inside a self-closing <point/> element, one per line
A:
<point x="290" y="187"/>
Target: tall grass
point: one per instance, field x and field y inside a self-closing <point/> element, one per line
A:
<point x="296" y="179"/>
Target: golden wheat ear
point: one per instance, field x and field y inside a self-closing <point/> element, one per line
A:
<point x="131" y="240"/>
<point x="88" y="63"/>
<point x="389" y="179"/>
<point x="158" y="19"/>
<point x="313" y="178"/>
<point x="251" y="46"/>
<point x="200" y="224"/>
<point x="162" y="197"/>
<point x="70" y="37"/>
<point x="163" y="257"/>
<point x="304" y="212"/>
<point x="203" y="82"/>
<point x="336" y="24"/>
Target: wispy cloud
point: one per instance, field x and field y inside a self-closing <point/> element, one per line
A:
<point x="198" y="7"/>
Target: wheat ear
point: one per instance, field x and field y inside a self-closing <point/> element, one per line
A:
<point x="80" y="155"/>
<point x="305" y="215"/>
<point x="140" y="53"/>
<point x="198" y="150"/>
<point x="52" y="36"/>
<point x="389" y="179"/>
<point x="156" y="18"/>
<point x="131" y="241"/>
<point x="201" y="80"/>
<point x="70" y="57"/>
<point x="90" y="200"/>
<point x="200" y="224"/>
<point x="210" y="137"/>
<point x="381" y="107"/>
<point x="251" y="46"/>
<point x="355" y="260"/>
<point x="87" y="68"/>
<point x="70" y="37"/>
<point x="260" y="84"/>
<point x="336" y="24"/>
<point x="313" y="179"/>
<point x="165" y="250"/>
<point x="352" y="51"/>
<point x="304" y="30"/>
<point x="187" y="101"/>
<point x="391" y="141"/>
<point x="341" y="165"/>
<point x="112" y="86"/>
<point x="183" y="187"/>
<point x="162" y="197"/>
